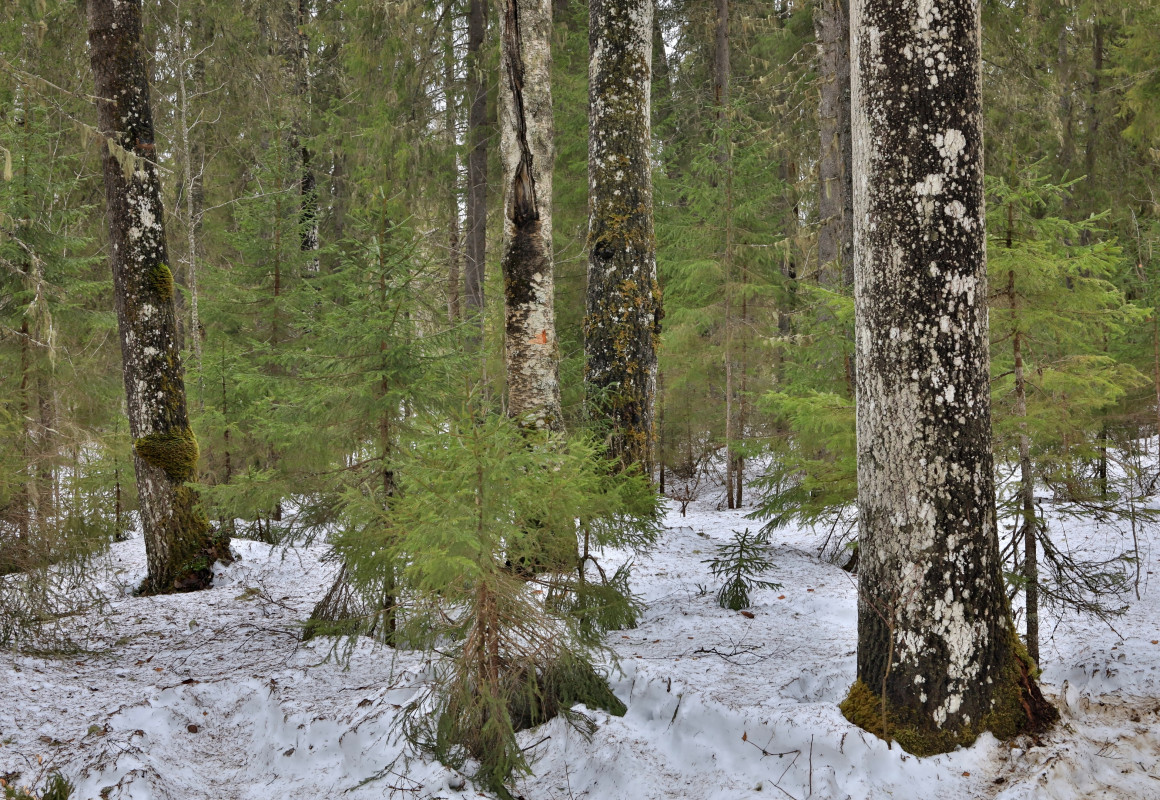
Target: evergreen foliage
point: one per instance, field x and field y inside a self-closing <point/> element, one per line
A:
<point x="740" y="562"/>
<point x="491" y="543"/>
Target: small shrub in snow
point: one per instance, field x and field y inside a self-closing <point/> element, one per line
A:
<point x="58" y="788"/>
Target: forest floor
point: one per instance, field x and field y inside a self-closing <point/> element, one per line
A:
<point x="214" y="695"/>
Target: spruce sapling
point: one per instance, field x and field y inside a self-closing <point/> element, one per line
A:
<point x="740" y="562"/>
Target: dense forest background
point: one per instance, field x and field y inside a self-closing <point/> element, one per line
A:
<point x="314" y="158"/>
<point x="315" y="164"/>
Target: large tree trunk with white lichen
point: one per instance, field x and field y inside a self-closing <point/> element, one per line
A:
<point x="938" y="659"/>
<point x="623" y="314"/>
<point x="525" y="97"/>
<point x="180" y="548"/>
<point x="835" y="184"/>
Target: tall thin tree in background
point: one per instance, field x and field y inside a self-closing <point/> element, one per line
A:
<point x="299" y="55"/>
<point x="530" y="347"/>
<point x="623" y="307"/>
<point x="475" y="225"/>
<point x="835" y="179"/>
<point x="180" y="547"/>
<point x="938" y="657"/>
<point x="449" y="129"/>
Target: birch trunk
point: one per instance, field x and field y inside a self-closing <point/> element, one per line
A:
<point x="835" y="179"/>
<point x="526" y="149"/>
<point x="180" y="548"/>
<point x="623" y="307"/>
<point x="938" y="659"/>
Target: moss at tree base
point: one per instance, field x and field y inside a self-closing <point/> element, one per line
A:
<point x="1018" y="707"/>
<point x="195" y="547"/>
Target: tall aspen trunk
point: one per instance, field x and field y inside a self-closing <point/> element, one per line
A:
<point x="526" y="149"/>
<point x="453" y="312"/>
<point x="938" y="658"/>
<point x="835" y="178"/>
<point x="475" y="251"/>
<point x="623" y="305"/>
<point x="179" y="546"/>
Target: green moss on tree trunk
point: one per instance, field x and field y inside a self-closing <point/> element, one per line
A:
<point x="1017" y="707"/>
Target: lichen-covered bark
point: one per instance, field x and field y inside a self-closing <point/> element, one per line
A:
<point x="835" y="182"/>
<point x="935" y="637"/>
<point x="525" y="96"/>
<point x="179" y="546"/>
<point x="623" y="315"/>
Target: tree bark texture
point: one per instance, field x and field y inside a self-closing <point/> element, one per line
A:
<point x="180" y="548"/>
<point x="936" y="644"/>
<point x="475" y="251"/>
<point x="526" y="149"/>
<point x="623" y="308"/>
<point x="835" y="178"/>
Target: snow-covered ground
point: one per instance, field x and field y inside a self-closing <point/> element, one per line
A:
<point x="213" y="695"/>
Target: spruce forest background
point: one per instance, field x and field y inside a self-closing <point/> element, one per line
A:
<point x="314" y="161"/>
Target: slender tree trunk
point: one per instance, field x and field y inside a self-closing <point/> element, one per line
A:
<point x="1091" y="148"/>
<point x="476" y="221"/>
<point x="180" y="548"/>
<point x="660" y="454"/>
<point x="1026" y="475"/>
<point x="743" y="366"/>
<point x="453" y="312"/>
<point x="662" y="86"/>
<point x="938" y="658"/>
<point x="25" y="502"/>
<point x="835" y="179"/>
<point x="190" y="152"/>
<point x="307" y="183"/>
<point x="1156" y="369"/>
<point x="526" y="149"/>
<point x="623" y="306"/>
<point x="724" y="158"/>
